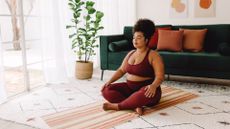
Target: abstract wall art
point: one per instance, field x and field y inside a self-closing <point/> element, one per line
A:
<point x="178" y="9"/>
<point x="205" y="8"/>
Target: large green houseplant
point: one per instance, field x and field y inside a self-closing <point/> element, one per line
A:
<point x="86" y="22"/>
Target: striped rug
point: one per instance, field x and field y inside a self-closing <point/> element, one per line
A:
<point x="92" y="116"/>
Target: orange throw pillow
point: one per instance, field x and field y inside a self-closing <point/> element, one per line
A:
<point x="170" y="40"/>
<point x="193" y="39"/>
<point x="154" y="39"/>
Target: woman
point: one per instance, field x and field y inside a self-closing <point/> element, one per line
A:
<point x="145" y="73"/>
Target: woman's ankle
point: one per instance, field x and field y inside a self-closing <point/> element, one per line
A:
<point x="139" y="110"/>
<point x="110" y="106"/>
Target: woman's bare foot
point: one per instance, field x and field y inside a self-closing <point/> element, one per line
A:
<point x="110" y="106"/>
<point x="139" y="111"/>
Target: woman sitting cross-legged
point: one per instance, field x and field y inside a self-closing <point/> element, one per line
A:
<point x="145" y="73"/>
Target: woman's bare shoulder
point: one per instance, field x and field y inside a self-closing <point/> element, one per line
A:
<point x="130" y="52"/>
<point x="154" y="53"/>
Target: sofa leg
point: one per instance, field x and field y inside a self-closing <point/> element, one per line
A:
<point x="102" y="73"/>
<point x="168" y="77"/>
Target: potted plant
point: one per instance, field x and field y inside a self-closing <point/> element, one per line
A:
<point x="86" y="24"/>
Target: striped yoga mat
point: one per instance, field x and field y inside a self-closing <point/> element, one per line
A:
<point x="92" y="116"/>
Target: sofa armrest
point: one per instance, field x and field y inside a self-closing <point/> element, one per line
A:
<point x="104" y="44"/>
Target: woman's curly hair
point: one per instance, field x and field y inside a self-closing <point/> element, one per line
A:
<point x="146" y="26"/>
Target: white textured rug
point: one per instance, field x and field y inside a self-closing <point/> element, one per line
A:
<point x="209" y="111"/>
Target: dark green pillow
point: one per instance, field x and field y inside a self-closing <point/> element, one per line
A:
<point x="224" y="49"/>
<point x="117" y="46"/>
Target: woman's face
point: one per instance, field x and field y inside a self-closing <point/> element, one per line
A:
<point x="139" y="40"/>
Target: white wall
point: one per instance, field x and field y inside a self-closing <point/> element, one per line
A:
<point x="158" y="10"/>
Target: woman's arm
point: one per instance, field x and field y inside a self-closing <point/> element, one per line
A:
<point x="158" y="66"/>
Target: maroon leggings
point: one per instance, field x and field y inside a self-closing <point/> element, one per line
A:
<point x="130" y="94"/>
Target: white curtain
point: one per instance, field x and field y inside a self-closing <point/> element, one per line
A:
<point x="2" y="88"/>
<point x="117" y="14"/>
<point x="58" y="59"/>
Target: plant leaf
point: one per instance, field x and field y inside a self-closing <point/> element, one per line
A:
<point x="77" y="1"/>
<point x="100" y="28"/>
<point x="71" y="5"/>
<point x="91" y="10"/>
<point x="69" y="26"/>
<point x="72" y="35"/>
<point x="90" y="3"/>
<point x="99" y="14"/>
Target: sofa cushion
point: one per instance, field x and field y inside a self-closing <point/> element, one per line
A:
<point x="170" y="40"/>
<point x="154" y="39"/>
<point x="199" y="61"/>
<point x="224" y="49"/>
<point x="216" y="34"/>
<point x="193" y="39"/>
<point x="117" y="46"/>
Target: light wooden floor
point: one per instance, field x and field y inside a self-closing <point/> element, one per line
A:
<point x="14" y="80"/>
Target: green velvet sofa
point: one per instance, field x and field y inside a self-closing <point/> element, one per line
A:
<point x="213" y="62"/>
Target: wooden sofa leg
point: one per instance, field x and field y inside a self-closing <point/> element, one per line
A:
<point x="102" y="73"/>
<point x="168" y="77"/>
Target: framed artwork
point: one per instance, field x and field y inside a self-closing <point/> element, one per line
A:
<point x="205" y="8"/>
<point x="178" y="9"/>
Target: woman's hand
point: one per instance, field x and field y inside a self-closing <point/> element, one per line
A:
<point x="150" y="91"/>
<point x="106" y="84"/>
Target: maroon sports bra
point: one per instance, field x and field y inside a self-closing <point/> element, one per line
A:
<point x="143" y="69"/>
